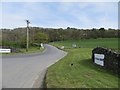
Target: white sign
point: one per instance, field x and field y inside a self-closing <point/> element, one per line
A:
<point x="5" y="50"/>
<point x="74" y="45"/>
<point x="62" y="47"/>
<point x="99" y="59"/>
<point x="42" y="45"/>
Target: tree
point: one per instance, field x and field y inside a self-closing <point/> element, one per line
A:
<point x="94" y="33"/>
<point x="68" y="28"/>
<point x="41" y="38"/>
<point x="102" y="32"/>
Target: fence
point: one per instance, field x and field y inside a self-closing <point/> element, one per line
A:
<point x="106" y="58"/>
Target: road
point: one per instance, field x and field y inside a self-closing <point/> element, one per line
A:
<point x="27" y="71"/>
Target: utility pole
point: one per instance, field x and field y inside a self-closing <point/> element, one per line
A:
<point x="27" y="45"/>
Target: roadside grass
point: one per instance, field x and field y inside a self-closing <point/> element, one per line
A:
<point x="83" y="73"/>
<point x="23" y="51"/>
<point x="32" y="50"/>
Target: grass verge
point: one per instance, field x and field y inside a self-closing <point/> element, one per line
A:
<point x="77" y="70"/>
<point x="83" y="73"/>
<point x="23" y="51"/>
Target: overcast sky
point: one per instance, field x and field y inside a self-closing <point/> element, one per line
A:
<point x="60" y="14"/>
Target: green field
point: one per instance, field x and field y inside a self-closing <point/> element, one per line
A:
<point x="83" y="73"/>
<point x="89" y="43"/>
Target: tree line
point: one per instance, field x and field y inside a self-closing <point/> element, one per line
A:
<point x="17" y="37"/>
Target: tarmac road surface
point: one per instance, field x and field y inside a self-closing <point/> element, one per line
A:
<point x="28" y="71"/>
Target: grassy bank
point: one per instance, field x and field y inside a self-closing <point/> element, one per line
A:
<point x="77" y="70"/>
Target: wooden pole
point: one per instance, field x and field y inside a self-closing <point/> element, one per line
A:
<point x="27" y="45"/>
